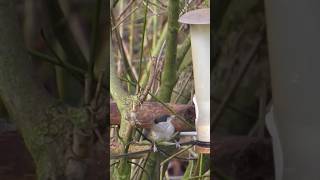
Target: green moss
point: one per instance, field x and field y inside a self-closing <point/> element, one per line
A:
<point x="79" y="117"/>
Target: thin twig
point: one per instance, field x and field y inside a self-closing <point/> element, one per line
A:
<point x="129" y="155"/>
<point x="125" y="18"/>
<point x="183" y="88"/>
<point x="152" y="77"/>
<point x="67" y="65"/>
<point x="235" y="109"/>
<point x="156" y="5"/>
<point x="55" y="61"/>
<point x="130" y="3"/>
<point x="198" y="177"/>
<point x="98" y="90"/>
<point x="135" y="171"/>
<point x="141" y="168"/>
<point x="146" y="4"/>
<point x="44" y="37"/>
<point x="129" y="67"/>
<point x="171" y="157"/>
<point x="144" y="165"/>
<point x="114" y="163"/>
<point x="201" y="165"/>
<point x="247" y="61"/>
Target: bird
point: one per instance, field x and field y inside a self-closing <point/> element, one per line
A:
<point x="162" y="129"/>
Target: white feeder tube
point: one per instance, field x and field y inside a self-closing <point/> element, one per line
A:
<point x="293" y="40"/>
<point x="200" y="44"/>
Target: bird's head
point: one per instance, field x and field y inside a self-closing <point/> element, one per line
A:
<point x="164" y="118"/>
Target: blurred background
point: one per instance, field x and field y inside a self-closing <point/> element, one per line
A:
<point x="68" y="38"/>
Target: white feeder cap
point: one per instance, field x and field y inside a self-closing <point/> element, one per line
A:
<point x="198" y="16"/>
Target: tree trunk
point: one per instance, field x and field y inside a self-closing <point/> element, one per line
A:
<point x="45" y="124"/>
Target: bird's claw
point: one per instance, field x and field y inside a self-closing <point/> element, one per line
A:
<point x="154" y="148"/>
<point x="178" y="146"/>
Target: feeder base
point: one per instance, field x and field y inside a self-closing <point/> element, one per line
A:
<point x="202" y="147"/>
<point x="202" y="150"/>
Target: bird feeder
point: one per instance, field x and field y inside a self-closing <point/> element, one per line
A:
<point x="293" y="44"/>
<point x="199" y="21"/>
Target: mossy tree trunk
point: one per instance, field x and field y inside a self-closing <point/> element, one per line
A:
<point x="168" y="77"/>
<point x="46" y="125"/>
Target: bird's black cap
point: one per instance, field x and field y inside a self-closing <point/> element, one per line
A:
<point x="161" y="119"/>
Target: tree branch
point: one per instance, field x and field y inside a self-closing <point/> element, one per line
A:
<point x="125" y="104"/>
<point x="148" y="111"/>
<point x="43" y="121"/>
<point x="168" y="78"/>
<point x="22" y="95"/>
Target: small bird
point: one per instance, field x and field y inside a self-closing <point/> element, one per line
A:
<point x="162" y="130"/>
